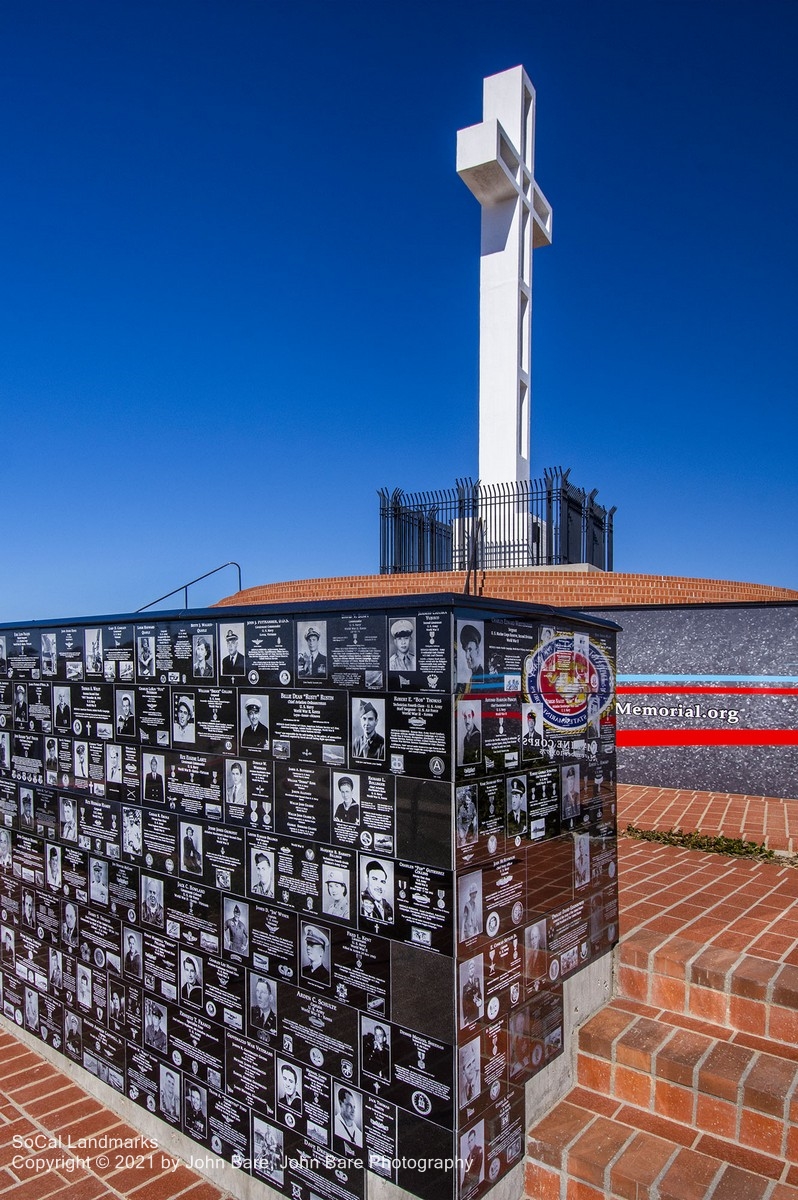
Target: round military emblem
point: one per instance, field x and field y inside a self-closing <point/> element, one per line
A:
<point x="560" y="674"/>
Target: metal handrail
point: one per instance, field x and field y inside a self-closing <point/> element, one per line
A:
<point x="185" y="586"/>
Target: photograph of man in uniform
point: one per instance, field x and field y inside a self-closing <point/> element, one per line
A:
<point x="131" y="830"/>
<point x="31" y="1009"/>
<point x="335" y="892"/>
<point x="203" y="658"/>
<point x="536" y="966"/>
<point x="7" y="952"/>
<point x="236" y="927"/>
<point x="571" y="803"/>
<point x="69" y="927"/>
<point x="191" y="979"/>
<point x="348" y="1124"/>
<point x="191" y="837"/>
<point x="84" y="986"/>
<point x="470" y="667"/>
<point x="80" y="761"/>
<point x="74" y="1036"/>
<point x="5" y="751"/>
<point x="254" y="731"/>
<point x="581" y="860"/>
<point x="516" y="810"/>
<point x="467" y="820"/>
<point x="183" y="733"/>
<point x="594" y="717"/>
<point x="170" y="1095"/>
<point x="471" y="993"/>
<point x="55" y="971"/>
<point x="152" y="901"/>
<point x="26" y="808"/>
<point x="51" y="758"/>
<point x="367" y="717"/>
<point x="403" y="657"/>
<point x="263" y="1004"/>
<point x="268" y="1151"/>
<point x="153" y="780"/>
<point x="289" y="1086"/>
<point x="470" y="897"/>
<point x="236" y="784"/>
<point x="113" y="764"/>
<point x="196" y="1107"/>
<point x="376" y="897"/>
<point x="348" y="808"/>
<point x="311" y="660"/>
<point x="470" y="1073"/>
<point x="6" y="859"/>
<point x="132" y="959"/>
<point x="375" y="1051"/>
<point x="472" y="1156"/>
<point x="262" y="873"/>
<point x="233" y="661"/>
<point x="98" y="881"/>
<point x="28" y="910"/>
<point x="154" y="1027"/>
<point x="20" y="707"/>
<point x="54" y="868"/>
<point x="63" y="711"/>
<point x="69" y="829"/>
<point x="125" y="719"/>
<point x="469" y="732"/>
<point x="315" y="956"/>
<point x="532" y="741"/>
<point x="146" y="657"/>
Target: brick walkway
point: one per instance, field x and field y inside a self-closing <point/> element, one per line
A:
<point x="700" y="917"/>
<point x="754" y="818"/>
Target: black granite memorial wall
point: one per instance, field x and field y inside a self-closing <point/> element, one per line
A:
<point x="305" y="884"/>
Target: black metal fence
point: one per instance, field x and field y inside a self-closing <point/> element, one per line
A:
<point x="474" y="526"/>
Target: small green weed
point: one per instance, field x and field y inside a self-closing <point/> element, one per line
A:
<point x="711" y="844"/>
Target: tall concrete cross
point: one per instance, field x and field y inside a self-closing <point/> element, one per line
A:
<point x="496" y="160"/>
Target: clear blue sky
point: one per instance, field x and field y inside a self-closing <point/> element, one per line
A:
<point x="239" y="281"/>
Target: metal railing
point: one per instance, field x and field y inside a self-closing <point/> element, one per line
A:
<point x="475" y="526"/>
<point x="185" y="586"/>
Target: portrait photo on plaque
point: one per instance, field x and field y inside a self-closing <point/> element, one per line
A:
<point x="98" y="881"/>
<point x="368" y="728"/>
<point x="80" y="763"/>
<point x="236" y="926"/>
<point x="184" y="729"/>
<point x="93" y="651"/>
<point x="53" y="877"/>
<point x="335" y="892"/>
<point x="254" y="723"/>
<point x="55" y="971"/>
<point x="113" y="764"/>
<point x="517" y="816"/>
<point x="145" y="656"/>
<point x="69" y="926"/>
<point x="169" y="1094"/>
<point x="195" y="1120"/>
<point x="191" y="848"/>
<point x="6" y="854"/>
<point x="375" y="1048"/>
<point x="570" y="796"/>
<point x="268" y="1153"/>
<point x="532" y="730"/>
<point x="311" y="650"/>
<point x="472" y="1159"/>
<point x="289" y="1086"/>
<point x="84" y="984"/>
<point x="152" y="775"/>
<point x="26" y="815"/>
<point x="62" y="717"/>
<point x="131" y="830"/>
<point x="261" y="872"/>
<point x="125" y="714"/>
<point x="377" y="889"/>
<point x="469" y="896"/>
<point x="470" y="1071"/>
<point x="402" y="645"/>
<point x="469" y="732"/>
<point x="346" y="798"/>
<point x="581" y="860"/>
<point x="131" y="961"/>
<point x="536" y="966"/>
<point x="152" y="910"/>
<point x="191" y="979"/>
<point x="235" y="783"/>
<point x="472" y="993"/>
<point x="202" y="656"/>
<point x="314" y="953"/>
<point x="348" y="1119"/>
<point x="470" y="654"/>
<point x="262" y="1004"/>
<point x="231" y="651"/>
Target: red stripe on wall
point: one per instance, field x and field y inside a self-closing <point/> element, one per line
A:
<point x="675" y="690"/>
<point x="707" y="737"/>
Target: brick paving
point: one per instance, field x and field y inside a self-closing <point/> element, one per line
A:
<point x="761" y="819"/>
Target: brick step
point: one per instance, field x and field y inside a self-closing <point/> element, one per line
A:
<point x="696" y="1074"/>
<point x="590" y="1148"/>
<point x="758" y="996"/>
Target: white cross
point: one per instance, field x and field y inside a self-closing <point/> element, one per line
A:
<point x="496" y="160"/>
